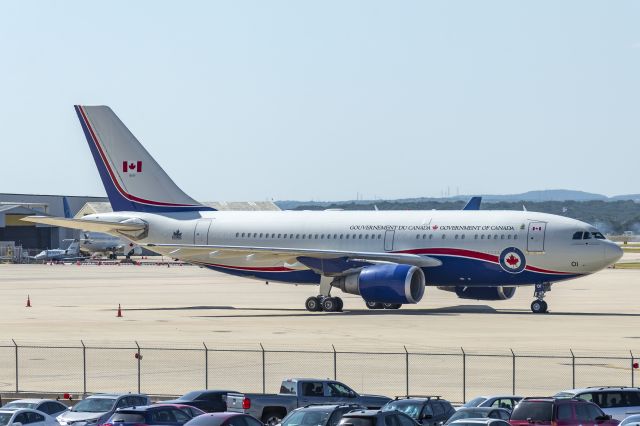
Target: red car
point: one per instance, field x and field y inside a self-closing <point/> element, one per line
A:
<point x="559" y="412"/>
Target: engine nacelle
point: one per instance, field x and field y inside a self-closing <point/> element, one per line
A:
<point x="388" y="283"/>
<point x="484" y="293"/>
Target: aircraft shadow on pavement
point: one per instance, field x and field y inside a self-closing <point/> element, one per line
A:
<point x="447" y="311"/>
<point x="263" y="312"/>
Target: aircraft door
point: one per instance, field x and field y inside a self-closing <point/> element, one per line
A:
<point x="535" y="237"/>
<point x="388" y="240"/>
<point x="201" y="233"/>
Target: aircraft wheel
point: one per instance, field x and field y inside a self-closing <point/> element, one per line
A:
<point x="391" y="305"/>
<point x="312" y="304"/>
<point x="329" y="304"/>
<point x="340" y="304"/>
<point x="373" y="305"/>
<point x="538" y="306"/>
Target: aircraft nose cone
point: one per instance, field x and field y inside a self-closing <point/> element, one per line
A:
<point x="612" y="253"/>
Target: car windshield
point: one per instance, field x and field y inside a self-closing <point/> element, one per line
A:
<point x="190" y="396"/>
<point x="127" y="418"/>
<point x="541" y="411"/>
<point x="467" y="414"/>
<point x="16" y="404"/>
<point x="630" y="420"/>
<point x="307" y="418"/>
<point x="356" y="421"/>
<point x="5" y="418"/>
<point x="408" y="407"/>
<point x="94" y="405"/>
<point x="475" y="402"/>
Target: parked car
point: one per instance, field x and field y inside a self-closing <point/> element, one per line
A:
<point x="480" y="422"/>
<point x="47" y="406"/>
<point x="428" y="411"/>
<point x="559" y="412"/>
<point x="318" y="415"/>
<point x="508" y="402"/>
<point x="632" y="420"/>
<point x="160" y="414"/>
<point x="224" y="419"/>
<point x="479" y="413"/>
<point x="376" y="418"/>
<point x="295" y="393"/>
<point x="98" y="408"/>
<point x="616" y="401"/>
<point x="25" y="416"/>
<point x="209" y="401"/>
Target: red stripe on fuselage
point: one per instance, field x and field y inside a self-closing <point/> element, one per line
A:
<point x="114" y="179"/>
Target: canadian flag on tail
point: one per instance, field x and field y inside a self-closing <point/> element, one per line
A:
<point x="133" y="166"/>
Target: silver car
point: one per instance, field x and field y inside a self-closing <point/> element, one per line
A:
<point x="617" y="401"/>
<point x="96" y="409"/>
<point x="48" y="406"/>
<point x="25" y="416"/>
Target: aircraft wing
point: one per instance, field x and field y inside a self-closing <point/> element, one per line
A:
<point x="86" y="225"/>
<point x="220" y="250"/>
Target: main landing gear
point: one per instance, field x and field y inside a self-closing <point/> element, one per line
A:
<point x="378" y="305"/>
<point x="539" y="306"/>
<point x="324" y="301"/>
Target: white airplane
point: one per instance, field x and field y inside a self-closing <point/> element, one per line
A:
<point x="95" y="243"/>
<point x="69" y="254"/>
<point x="386" y="257"/>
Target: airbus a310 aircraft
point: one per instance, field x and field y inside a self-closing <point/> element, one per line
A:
<point x="386" y="257"/>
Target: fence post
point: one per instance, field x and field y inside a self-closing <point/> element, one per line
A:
<point x="335" y="363"/>
<point x="139" y="357"/>
<point x="406" y="369"/>
<point x="84" y="368"/>
<point x="573" y="369"/>
<point x="264" y="374"/>
<point x="206" y="366"/>
<point x="632" y="372"/>
<point x="513" y="372"/>
<point x="464" y="376"/>
<point x="17" y="368"/>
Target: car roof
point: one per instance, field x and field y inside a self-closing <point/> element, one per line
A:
<point x="114" y="395"/>
<point x="223" y="415"/>
<point x="326" y="406"/>
<point x="362" y="413"/>
<point x="499" y="396"/>
<point x="472" y="420"/>
<point x="31" y="400"/>
<point x="600" y="388"/>
<point x="480" y="408"/>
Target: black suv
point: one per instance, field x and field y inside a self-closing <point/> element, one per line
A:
<point x="426" y="410"/>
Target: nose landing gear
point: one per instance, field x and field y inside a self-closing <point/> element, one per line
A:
<point x="539" y="306"/>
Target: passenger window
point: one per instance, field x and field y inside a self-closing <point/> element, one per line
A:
<point x="180" y="416"/>
<point x="583" y="412"/>
<point x="243" y="235"/>
<point x="237" y="234"/>
<point x="565" y="412"/>
<point x="462" y="237"/>
<point x="482" y="237"/>
<point x="456" y="236"/>
<point x="502" y="237"/>
<point x="273" y="235"/>
<point x="360" y="236"/>
<point x="405" y="420"/>
<point x="347" y="237"/>
<point x="438" y="410"/>
<point x="312" y="389"/>
<point x="509" y="237"/>
<point x="341" y="235"/>
<point x="444" y="236"/>
<point x="261" y="235"/>
<point x="21" y="418"/>
<point x="586" y="397"/>
<point x="366" y="236"/>
<point x="495" y="237"/>
<point x="279" y="235"/>
<point x="430" y="236"/>
<point x="515" y="237"/>
<point x="304" y="236"/>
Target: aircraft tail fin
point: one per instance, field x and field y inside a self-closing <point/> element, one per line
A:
<point x="133" y="180"/>
<point x="67" y="209"/>
<point x="473" y="204"/>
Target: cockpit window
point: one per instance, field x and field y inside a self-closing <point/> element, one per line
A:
<point x="598" y="236"/>
<point x="577" y="235"/>
<point x="586" y="236"/>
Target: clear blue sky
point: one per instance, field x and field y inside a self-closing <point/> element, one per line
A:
<point x="242" y="100"/>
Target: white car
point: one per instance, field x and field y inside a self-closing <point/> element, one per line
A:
<point x="618" y="401"/>
<point x="508" y="402"/>
<point x="48" y="406"/>
<point x="632" y="420"/>
<point x="24" y="417"/>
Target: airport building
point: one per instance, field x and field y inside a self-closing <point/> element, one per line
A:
<point x="14" y="207"/>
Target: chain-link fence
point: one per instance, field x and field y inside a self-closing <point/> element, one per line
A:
<point x="455" y="374"/>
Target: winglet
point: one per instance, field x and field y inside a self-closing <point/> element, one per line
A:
<point x="473" y="204"/>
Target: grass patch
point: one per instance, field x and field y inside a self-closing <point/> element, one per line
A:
<point x="627" y="265"/>
<point x="631" y="249"/>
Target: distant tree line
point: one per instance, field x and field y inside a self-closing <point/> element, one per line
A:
<point x="612" y="217"/>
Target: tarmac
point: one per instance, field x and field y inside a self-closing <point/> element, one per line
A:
<point x="188" y="304"/>
<point x="187" y="307"/>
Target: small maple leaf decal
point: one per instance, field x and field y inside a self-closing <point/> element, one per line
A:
<point x="435" y="226"/>
<point x="512" y="260"/>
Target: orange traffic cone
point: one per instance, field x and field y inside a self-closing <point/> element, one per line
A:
<point x="28" y="301"/>
<point x="119" y="311"/>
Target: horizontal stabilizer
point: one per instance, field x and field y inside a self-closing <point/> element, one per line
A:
<point x="86" y="225"/>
